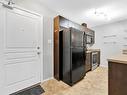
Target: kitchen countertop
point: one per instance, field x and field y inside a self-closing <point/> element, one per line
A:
<point x="122" y="58"/>
<point x="88" y="51"/>
<point x="93" y="49"/>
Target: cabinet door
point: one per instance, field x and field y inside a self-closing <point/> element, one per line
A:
<point x="117" y="78"/>
<point x="71" y="24"/>
<point x="88" y="62"/>
<point x="64" y="22"/>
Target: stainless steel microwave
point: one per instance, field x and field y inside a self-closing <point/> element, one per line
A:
<point x="89" y="39"/>
<point x="90" y="36"/>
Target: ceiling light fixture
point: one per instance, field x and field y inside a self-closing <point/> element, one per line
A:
<point x="101" y="14"/>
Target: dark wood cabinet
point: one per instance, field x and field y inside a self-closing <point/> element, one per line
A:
<point x="56" y="47"/>
<point x="117" y="83"/>
<point x="88" y="62"/>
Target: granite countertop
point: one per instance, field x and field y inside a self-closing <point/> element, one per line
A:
<point x="122" y="58"/>
<point x="88" y="51"/>
<point x="93" y="49"/>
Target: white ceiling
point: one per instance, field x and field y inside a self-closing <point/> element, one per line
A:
<point x="81" y="11"/>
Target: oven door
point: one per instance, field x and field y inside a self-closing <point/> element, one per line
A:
<point x="94" y="60"/>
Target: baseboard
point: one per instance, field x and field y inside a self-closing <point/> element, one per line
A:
<point x="47" y="79"/>
<point x="104" y="66"/>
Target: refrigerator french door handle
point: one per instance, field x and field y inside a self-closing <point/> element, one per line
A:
<point x="84" y="40"/>
<point x="84" y="46"/>
<point x="84" y="55"/>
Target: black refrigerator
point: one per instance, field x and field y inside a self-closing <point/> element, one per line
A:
<point x="73" y="55"/>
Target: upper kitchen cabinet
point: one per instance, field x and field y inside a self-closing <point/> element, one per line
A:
<point x="76" y="26"/>
<point x="63" y="22"/>
<point x="66" y="23"/>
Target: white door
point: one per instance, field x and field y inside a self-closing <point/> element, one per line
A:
<point x="20" y="44"/>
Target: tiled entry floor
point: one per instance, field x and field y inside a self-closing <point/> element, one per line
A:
<point x="95" y="83"/>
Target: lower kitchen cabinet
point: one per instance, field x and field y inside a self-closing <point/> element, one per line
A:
<point x="88" y="61"/>
<point x="117" y="75"/>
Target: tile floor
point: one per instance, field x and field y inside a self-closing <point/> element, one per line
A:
<point x="95" y="83"/>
